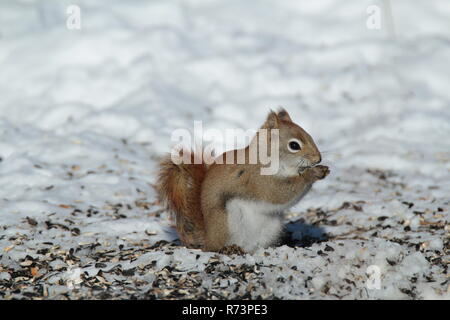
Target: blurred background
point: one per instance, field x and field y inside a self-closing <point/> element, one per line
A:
<point x="91" y="91"/>
<point x="368" y="79"/>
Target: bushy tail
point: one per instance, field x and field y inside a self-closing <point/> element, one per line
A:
<point x="179" y="188"/>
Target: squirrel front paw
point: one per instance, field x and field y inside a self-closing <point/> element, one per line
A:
<point x="319" y="172"/>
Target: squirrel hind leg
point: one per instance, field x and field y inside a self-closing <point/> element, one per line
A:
<point x="217" y="229"/>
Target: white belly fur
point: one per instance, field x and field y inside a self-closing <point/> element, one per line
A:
<point x="253" y="224"/>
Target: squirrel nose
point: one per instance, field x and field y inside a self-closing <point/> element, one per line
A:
<point x="319" y="159"/>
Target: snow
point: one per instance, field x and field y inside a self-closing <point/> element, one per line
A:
<point x="86" y="114"/>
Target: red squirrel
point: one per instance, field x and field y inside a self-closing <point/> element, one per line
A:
<point x="220" y="206"/>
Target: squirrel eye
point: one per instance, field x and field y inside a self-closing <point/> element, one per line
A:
<point x="294" y="145"/>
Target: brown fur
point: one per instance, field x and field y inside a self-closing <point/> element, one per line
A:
<point x="198" y="194"/>
<point x="179" y="188"/>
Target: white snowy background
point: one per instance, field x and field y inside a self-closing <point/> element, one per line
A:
<point x="85" y="114"/>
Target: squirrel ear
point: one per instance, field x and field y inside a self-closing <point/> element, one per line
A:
<point x="284" y="115"/>
<point x="272" y="121"/>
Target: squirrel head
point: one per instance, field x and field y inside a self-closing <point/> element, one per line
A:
<point x="297" y="150"/>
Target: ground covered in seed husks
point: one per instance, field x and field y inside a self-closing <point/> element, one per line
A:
<point x="86" y="114"/>
<point x="328" y="253"/>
